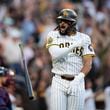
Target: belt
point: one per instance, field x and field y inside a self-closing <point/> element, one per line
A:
<point x="66" y="78"/>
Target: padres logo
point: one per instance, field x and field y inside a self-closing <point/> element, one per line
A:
<point x="49" y="40"/>
<point x="65" y="13"/>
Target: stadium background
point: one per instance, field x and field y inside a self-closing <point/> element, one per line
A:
<point x="29" y="21"/>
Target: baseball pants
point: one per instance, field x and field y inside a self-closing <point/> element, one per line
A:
<point x="62" y="99"/>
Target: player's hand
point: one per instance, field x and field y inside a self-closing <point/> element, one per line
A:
<point x="79" y="77"/>
<point x="73" y="87"/>
<point x="75" y="83"/>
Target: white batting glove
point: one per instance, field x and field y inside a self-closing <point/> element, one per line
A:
<point x="75" y="83"/>
<point x="78" y="78"/>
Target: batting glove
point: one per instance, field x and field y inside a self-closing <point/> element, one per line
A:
<point x="74" y="84"/>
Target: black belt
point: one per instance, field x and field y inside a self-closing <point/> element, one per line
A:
<point x="66" y="78"/>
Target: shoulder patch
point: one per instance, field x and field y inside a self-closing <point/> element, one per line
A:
<point x="49" y="40"/>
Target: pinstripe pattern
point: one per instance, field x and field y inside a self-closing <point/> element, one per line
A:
<point x="62" y="100"/>
<point x="65" y="96"/>
<point x="70" y="64"/>
<point x="58" y="95"/>
<point x="76" y="97"/>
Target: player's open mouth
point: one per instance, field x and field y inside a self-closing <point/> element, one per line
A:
<point x="63" y="28"/>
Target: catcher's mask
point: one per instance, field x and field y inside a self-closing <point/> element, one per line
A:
<point x="70" y="16"/>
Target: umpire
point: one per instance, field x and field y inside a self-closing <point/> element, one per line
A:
<point x="5" y="103"/>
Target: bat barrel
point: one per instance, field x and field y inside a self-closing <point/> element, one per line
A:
<point x="28" y="83"/>
<point x="26" y="75"/>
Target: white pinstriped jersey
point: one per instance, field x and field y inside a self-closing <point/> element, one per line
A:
<point x="71" y="63"/>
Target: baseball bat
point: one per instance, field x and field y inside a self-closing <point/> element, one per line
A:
<point x="26" y="75"/>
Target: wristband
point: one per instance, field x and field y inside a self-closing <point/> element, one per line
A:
<point x="82" y="74"/>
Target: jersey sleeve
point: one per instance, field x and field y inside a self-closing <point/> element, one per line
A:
<point x="51" y="40"/>
<point x="87" y="46"/>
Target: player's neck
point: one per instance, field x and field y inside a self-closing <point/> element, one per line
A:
<point x="71" y="33"/>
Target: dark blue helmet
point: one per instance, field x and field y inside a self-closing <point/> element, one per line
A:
<point x="67" y="14"/>
<point x="3" y="71"/>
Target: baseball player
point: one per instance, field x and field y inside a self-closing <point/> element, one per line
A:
<point x="72" y="54"/>
<point x="5" y="102"/>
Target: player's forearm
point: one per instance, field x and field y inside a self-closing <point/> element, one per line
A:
<point x="87" y="65"/>
<point x="87" y="62"/>
<point x="86" y="68"/>
<point x="57" y="52"/>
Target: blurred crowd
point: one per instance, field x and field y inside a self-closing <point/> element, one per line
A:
<point x="28" y="22"/>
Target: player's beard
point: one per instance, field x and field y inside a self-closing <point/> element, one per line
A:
<point x="63" y="30"/>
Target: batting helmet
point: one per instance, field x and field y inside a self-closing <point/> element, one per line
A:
<point x="67" y="14"/>
<point x="3" y="71"/>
